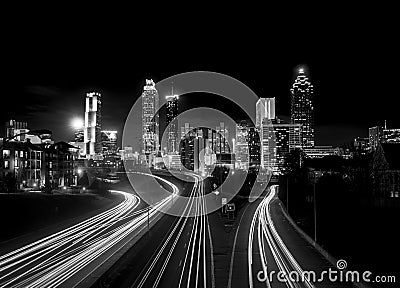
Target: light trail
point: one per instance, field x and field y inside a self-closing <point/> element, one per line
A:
<point x="268" y="238"/>
<point x="51" y="261"/>
<point x="196" y="252"/>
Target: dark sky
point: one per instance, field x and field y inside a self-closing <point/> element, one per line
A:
<point x="355" y="71"/>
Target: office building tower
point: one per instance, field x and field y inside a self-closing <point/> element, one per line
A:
<point x="278" y="140"/>
<point x="265" y="109"/>
<point x="242" y="146"/>
<point x="109" y="142"/>
<point x="375" y="136"/>
<point x="150" y="121"/>
<point x="172" y="123"/>
<point x="302" y="107"/>
<point x="254" y="142"/>
<point x="92" y="125"/>
<point x="220" y="139"/>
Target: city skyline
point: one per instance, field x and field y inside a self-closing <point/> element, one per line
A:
<point x="329" y="129"/>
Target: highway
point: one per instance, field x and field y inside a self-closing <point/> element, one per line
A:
<point x="263" y="234"/>
<point x="269" y="252"/>
<point x="184" y="257"/>
<point x="67" y="257"/>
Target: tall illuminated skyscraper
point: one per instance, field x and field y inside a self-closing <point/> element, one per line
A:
<point x="265" y="109"/>
<point x="302" y="108"/>
<point x="172" y="121"/>
<point x="150" y="121"/>
<point x="92" y="126"/>
<point x="242" y="146"/>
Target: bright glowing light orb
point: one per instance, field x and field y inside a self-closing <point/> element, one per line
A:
<point x="77" y="123"/>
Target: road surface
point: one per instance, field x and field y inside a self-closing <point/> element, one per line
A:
<point x="269" y="252"/>
<point x="66" y="258"/>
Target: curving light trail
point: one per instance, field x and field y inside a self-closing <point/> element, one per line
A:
<point x="268" y="238"/>
<point x="195" y="264"/>
<point x="51" y="261"/>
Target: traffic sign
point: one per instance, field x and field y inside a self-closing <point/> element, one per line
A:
<point x="223" y="201"/>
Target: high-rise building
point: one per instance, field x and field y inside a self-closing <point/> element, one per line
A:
<point x="172" y="121"/>
<point x="375" y="136"/>
<point x="186" y="146"/>
<point x="265" y="109"/>
<point x="16" y="130"/>
<point x="278" y="140"/>
<point x="92" y="126"/>
<point x="220" y="138"/>
<point x="109" y="142"/>
<point x="302" y="108"/>
<point x="150" y="121"/>
<point x="241" y="146"/>
<point x="254" y="148"/>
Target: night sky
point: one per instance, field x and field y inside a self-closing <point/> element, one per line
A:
<point x="46" y="75"/>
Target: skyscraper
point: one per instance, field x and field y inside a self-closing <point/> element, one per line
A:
<point x="278" y="140"/>
<point x="150" y="121"/>
<point x="302" y="108"/>
<point x="172" y="121"/>
<point x="220" y="139"/>
<point x="109" y="142"/>
<point x="265" y="109"/>
<point x="92" y="126"/>
<point x="242" y="147"/>
<point x="254" y="149"/>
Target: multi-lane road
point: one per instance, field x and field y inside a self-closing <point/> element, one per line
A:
<point x="181" y="250"/>
<point x="172" y="252"/>
<point x="69" y="256"/>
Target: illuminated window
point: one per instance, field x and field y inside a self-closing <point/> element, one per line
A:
<point x="6" y="164"/>
<point x="16" y="154"/>
<point x="6" y="153"/>
<point x="21" y="154"/>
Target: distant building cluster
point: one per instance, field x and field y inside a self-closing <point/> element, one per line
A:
<point x="263" y="145"/>
<point x="30" y="160"/>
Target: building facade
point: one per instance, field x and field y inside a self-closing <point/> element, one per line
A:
<point x="172" y="123"/>
<point x="242" y="146"/>
<point x="109" y="140"/>
<point x="92" y="125"/>
<point x="302" y="107"/>
<point x="16" y="130"/>
<point x="265" y="109"/>
<point x="150" y="121"/>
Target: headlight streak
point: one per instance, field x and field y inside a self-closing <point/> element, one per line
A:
<point x="163" y="247"/>
<point x="191" y="263"/>
<point x="52" y="260"/>
<point x="268" y="238"/>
